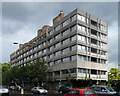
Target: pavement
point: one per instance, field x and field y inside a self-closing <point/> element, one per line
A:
<point x="29" y="93"/>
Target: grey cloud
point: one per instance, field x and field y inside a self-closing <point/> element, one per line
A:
<point x="38" y="14"/>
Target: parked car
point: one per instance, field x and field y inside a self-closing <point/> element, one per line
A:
<point x="64" y="89"/>
<point x="103" y="90"/>
<point x="81" y="92"/>
<point x="39" y="90"/>
<point x="4" y="91"/>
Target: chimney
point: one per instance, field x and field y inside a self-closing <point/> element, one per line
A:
<point x="39" y="31"/>
<point x="21" y="45"/>
<point x="59" y="17"/>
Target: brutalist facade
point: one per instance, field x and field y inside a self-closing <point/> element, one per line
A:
<point x="76" y="43"/>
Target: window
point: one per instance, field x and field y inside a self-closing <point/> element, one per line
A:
<point x="73" y="28"/>
<point x="66" y="41"/>
<point x="76" y="92"/>
<point x="103" y="61"/>
<point x="73" y="18"/>
<point x="35" y="54"/>
<point x="89" y="92"/>
<point x="57" y="72"/>
<point x="39" y="46"/>
<point x="57" y="45"/>
<point x="80" y="70"/>
<point x="94" y="23"/>
<point x="73" y="57"/>
<point x="103" y="53"/>
<point x="31" y="56"/>
<point x="93" y="50"/>
<point x="82" y="38"/>
<point x="45" y="57"/>
<point x="73" y="38"/>
<point x="57" y="53"/>
<point x="51" y="56"/>
<point x="103" y="73"/>
<point x="103" y="89"/>
<point x="51" y="63"/>
<point x="51" y="32"/>
<point x="82" y="57"/>
<point x="73" y="70"/>
<point x="58" y="61"/>
<point x="39" y="53"/>
<point x="66" y="50"/>
<point x="51" y="48"/>
<point x="64" y="71"/>
<point x="65" y="32"/>
<point x="71" y="92"/>
<point x="67" y="59"/>
<point x="31" y="50"/>
<point x="81" y="28"/>
<point x="57" y="28"/>
<point x="44" y="51"/>
<point x="43" y="43"/>
<point x="102" y="27"/>
<point x="80" y="17"/>
<point x="93" y="59"/>
<point x="103" y="45"/>
<point x="57" y="36"/>
<point x="65" y="23"/>
<point x="93" y="41"/>
<point x="93" y="32"/>
<point x="73" y="48"/>
<point x="103" y="36"/>
<point x="81" y="47"/>
<point x="51" y="40"/>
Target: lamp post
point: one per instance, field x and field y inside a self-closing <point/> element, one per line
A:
<point x="22" y="74"/>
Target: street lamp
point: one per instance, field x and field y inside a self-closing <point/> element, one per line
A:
<point x="23" y="71"/>
<point x="15" y="43"/>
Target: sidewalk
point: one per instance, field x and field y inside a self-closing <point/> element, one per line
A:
<point x="29" y="92"/>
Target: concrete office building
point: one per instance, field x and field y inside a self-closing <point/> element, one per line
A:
<point x="76" y="43"/>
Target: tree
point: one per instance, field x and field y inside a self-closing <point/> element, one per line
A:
<point x="69" y="78"/>
<point x="113" y="75"/>
<point x="37" y="70"/>
<point x="5" y="69"/>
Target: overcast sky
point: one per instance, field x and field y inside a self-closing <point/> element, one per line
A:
<point x="20" y="22"/>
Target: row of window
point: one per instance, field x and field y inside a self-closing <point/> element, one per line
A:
<point x="68" y="59"/>
<point x="91" y="59"/>
<point x="67" y="50"/>
<point x="79" y="17"/>
<point x="80" y="70"/>
<point x="83" y="29"/>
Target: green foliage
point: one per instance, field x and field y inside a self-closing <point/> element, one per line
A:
<point x="29" y="72"/>
<point x="5" y="69"/>
<point x="37" y="70"/>
<point x="113" y="75"/>
<point x="69" y="77"/>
